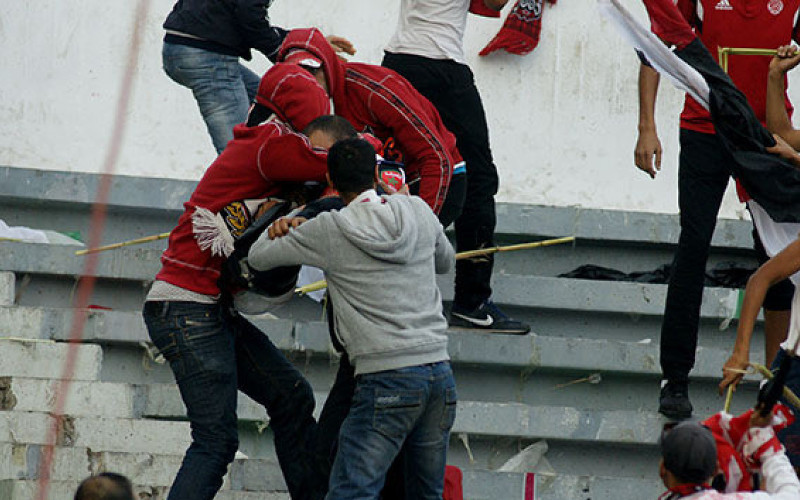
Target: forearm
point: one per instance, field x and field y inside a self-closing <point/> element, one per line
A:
<point x="754" y="295"/>
<point x="777" y="117"/>
<point x="648" y="91"/>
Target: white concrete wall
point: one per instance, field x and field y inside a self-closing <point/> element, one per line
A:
<point x="562" y="119"/>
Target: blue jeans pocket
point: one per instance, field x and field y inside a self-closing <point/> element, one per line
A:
<point x="449" y="414"/>
<point x="395" y="411"/>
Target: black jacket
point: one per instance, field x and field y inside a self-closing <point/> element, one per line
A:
<point x="230" y="27"/>
<point x="770" y="180"/>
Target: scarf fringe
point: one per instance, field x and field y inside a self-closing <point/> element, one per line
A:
<point x="211" y="232"/>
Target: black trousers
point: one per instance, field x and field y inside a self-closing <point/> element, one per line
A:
<point x="450" y="86"/>
<point x="704" y="170"/>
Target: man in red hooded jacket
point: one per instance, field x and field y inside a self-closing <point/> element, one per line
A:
<point x="211" y="350"/>
<point x="379" y="100"/>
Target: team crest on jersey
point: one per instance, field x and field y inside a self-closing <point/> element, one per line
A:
<point x="724" y="5"/>
<point x="775" y="7"/>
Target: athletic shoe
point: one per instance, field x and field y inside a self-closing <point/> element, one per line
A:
<point x="674" y="401"/>
<point x="487" y="317"/>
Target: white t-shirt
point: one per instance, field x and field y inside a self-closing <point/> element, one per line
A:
<point x="431" y="28"/>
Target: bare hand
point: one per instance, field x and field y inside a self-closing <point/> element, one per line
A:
<point x="787" y="58"/>
<point x="730" y="371"/>
<point x="647" y="147"/>
<point x="282" y="226"/>
<point x="341" y="44"/>
<point x="759" y="420"/>
<point x="784" y="150"/>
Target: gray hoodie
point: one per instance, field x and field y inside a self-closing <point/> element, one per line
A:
<point x="380" y="258"/>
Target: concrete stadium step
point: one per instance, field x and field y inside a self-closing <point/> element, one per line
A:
<point x="45" y="359"/>
<point x="97" y="433"/>
<point x="27" y="490"/>
<point x="7" y="290"/>
<point x="145" y="469"/>
<point x="477" y="486"/>
<point x="527" y="352"/>
<point x="155" y="472"/>
<point x="113" y="406"/>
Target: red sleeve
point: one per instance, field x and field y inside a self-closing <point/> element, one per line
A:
<point x="290" y="158"/>
<point x="688" y="10"/>
<point x="419" y="134"/>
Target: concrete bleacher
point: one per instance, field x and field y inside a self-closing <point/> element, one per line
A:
<point x="585" y="380"/>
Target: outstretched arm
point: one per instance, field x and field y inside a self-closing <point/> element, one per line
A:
<point x="778" y="268"/>
<point x="648" y="147"/>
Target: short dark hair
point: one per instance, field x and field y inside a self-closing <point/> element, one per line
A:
<point x="336" y="127"/>
<point x="351" y="165"/>
<point x="105" y="486"/>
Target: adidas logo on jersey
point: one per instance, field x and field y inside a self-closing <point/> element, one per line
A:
<point x="723" y="5"/>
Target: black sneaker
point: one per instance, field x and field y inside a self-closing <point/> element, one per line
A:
<point x="674" y="401"/>
<point x="487" y="317"/>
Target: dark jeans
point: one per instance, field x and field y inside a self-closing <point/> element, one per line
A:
<point x="213" y="352"/>
<point x="790" y="437"/>
<point x="450" y="86"/>
<point x="704" y="170"/>
<point x="413" y="408"/>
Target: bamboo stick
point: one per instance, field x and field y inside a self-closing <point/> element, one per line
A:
<point x="724" y="52"/>
<point x="513" y="248"/>
<point x="113" y="246"/>
<point x="728" y="399"/>
<point x="322" y="284"/>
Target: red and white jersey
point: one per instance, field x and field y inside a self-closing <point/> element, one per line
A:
<point x="762" y="24"/>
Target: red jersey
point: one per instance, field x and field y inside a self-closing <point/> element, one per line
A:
<point x="762" y="24"/>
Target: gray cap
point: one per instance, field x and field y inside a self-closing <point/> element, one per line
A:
<point x="689" y="452"/>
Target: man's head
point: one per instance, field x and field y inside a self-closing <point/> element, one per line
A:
<point x="688" y="454"/>
<point x="105" y="486"/>
<point x="351" y="167"/>
<point x="326" y="130"/>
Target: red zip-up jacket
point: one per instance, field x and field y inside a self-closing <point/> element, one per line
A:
<point x="252" y="166"/>
<point x="376" y="97"/>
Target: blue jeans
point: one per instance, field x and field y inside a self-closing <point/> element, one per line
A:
<point x="222" y="87"/>
<point x="413" y="408"/>
<point x="212" y="353"/>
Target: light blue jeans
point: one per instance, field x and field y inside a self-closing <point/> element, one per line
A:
<point x="413" y="408"/>
<point x="222" y="87"/>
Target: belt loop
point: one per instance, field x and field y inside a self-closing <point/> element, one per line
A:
<point x="164" y="309"/>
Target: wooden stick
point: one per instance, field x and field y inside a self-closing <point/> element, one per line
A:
<point x="512" y="248"/>
<point x="728" y="399"/>
<point x="322" y="284"/>
<point x="113" y="246"/>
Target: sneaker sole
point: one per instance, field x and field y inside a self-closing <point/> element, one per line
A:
<point x="675" y="415"/>
<point x="489" y="330"/>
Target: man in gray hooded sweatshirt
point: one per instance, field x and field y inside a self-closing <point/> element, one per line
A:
<point x="380" y="256"/>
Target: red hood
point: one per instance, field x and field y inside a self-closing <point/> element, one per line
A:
<point x="293" y="94"/>
<point x="313" y="41"/>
